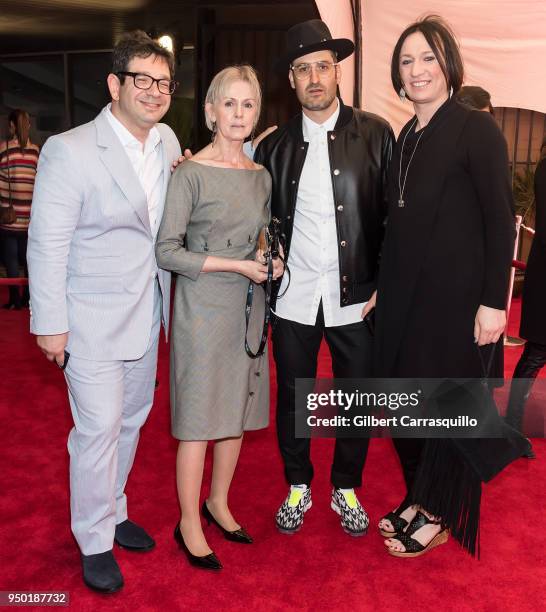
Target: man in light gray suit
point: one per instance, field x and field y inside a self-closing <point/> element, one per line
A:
<point x="97" y="295"/>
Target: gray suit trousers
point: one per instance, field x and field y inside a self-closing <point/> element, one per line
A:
<point x="110" y="401"/>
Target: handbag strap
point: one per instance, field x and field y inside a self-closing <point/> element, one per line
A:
<point x="7" y="168"/>
<point x="267" y="314"/>
<point x="486" y="367"/>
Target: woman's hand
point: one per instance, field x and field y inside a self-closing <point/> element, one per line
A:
<point x="261" y="136"/>
<point x="187" y="155"/>
<point x="370" y="305"/>
<point x="488" y="325"/>
<point x="254" y="270"/>
<point x="278" y="266"/>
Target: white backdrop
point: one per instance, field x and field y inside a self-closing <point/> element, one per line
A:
<point x="503" y="43"/>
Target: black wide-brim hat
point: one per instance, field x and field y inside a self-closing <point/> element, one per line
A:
<point x="311" y="36"/>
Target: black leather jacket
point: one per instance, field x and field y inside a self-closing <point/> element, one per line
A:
<point x="360" y="148"/>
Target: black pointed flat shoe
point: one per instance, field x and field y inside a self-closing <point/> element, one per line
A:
<point x="239" y="535"/>
<point x="208" y="562"/>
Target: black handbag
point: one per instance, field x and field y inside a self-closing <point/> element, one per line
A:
<point x="7" y="212"/>
<point x="270" y="241"/>
<point x="489" y="456"/>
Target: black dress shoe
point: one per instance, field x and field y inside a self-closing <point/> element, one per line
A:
<point x="101" y="572"/>
<point x="132" y="537"/>
<point x="209" y="562"/>
<point x="239" y="535"/>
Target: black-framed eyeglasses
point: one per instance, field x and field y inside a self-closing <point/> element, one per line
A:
<point x="145" y="81"/>
<point x="303" y="71"/>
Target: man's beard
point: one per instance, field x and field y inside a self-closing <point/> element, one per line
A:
<point x="319" y="105"/>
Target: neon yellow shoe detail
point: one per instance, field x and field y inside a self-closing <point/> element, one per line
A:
<point x="295" y="497"/>
<point x="350" y="498"/>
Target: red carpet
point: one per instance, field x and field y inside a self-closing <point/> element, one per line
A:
<point x="321" y="568"/>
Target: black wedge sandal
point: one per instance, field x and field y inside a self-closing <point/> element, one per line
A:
<point x="412" y="546"/>
<point x="396" y="520"/>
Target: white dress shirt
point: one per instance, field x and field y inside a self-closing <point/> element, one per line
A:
<point x="313" y="260"/>
<point x="147" y="162"/>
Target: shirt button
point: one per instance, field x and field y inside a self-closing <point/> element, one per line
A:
<point x="336" y="172"/>
<point x="289" y="217"/>
<point x="345" y="279"/>
<point x="251" y="393"/>
<point x="343" y="243"/>
<point x="293" y="182"/>
<point x="303" y="148"/>
<point x="344" y="289"/>
<point x="340" y="208"/>
<point x="332" y="136"/>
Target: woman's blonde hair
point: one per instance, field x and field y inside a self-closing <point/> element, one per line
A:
<point x="218" y="87"/>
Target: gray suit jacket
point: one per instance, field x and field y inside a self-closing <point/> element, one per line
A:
<point x="91" y="259"/>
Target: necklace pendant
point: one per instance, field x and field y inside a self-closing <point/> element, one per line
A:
<point x="401" y="203"/>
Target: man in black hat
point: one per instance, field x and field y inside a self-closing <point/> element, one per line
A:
<point x="328" y="166"/>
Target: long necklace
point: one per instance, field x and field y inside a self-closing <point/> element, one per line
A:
<point x="402" y="185"/>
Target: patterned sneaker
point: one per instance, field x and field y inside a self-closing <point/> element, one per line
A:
<point x="289" y="518"/>
<point x="354" y="519"/>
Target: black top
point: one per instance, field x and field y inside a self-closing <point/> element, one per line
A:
<point x="448" y="249"/>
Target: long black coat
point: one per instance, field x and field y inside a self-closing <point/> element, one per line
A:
<point x="533" y="313"/>
<point x="448" y="250"/>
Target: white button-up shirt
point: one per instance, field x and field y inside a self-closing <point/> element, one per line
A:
<point x="147" y="162"/>
<point x="313" y="258"/>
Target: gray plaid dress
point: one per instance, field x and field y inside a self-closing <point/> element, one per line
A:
<point x="217" y="391"/>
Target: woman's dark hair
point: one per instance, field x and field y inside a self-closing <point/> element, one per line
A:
<point x="543" y="150"/>
<point x="138" y="44"/>
<point x="21" y="121"/>
<point x="475" y="98"/>
<point x="444" y="45"/>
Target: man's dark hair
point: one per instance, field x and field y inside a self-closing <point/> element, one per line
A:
<point x="444" y="45"/>
<point x="138" y="44"/>
<point x="475" y="98"/>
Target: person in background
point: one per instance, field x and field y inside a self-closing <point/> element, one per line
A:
<point x="533" y="309"/>
<point x="18" y="162"/>
<point x="475" y="98"/>
<point x="329" y="167"/>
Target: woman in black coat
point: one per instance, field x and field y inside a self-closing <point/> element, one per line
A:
<point x="444" y="276"/>
<point x="533" y="312"/>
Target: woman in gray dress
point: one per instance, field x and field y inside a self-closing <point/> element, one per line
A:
<point x="216" y="205"/>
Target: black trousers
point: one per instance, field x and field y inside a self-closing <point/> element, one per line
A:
<point x="529" y="365"/>
<point x="295" y="348"/>
<point x="14" y="253"/>
<point x="409" y="452"/>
